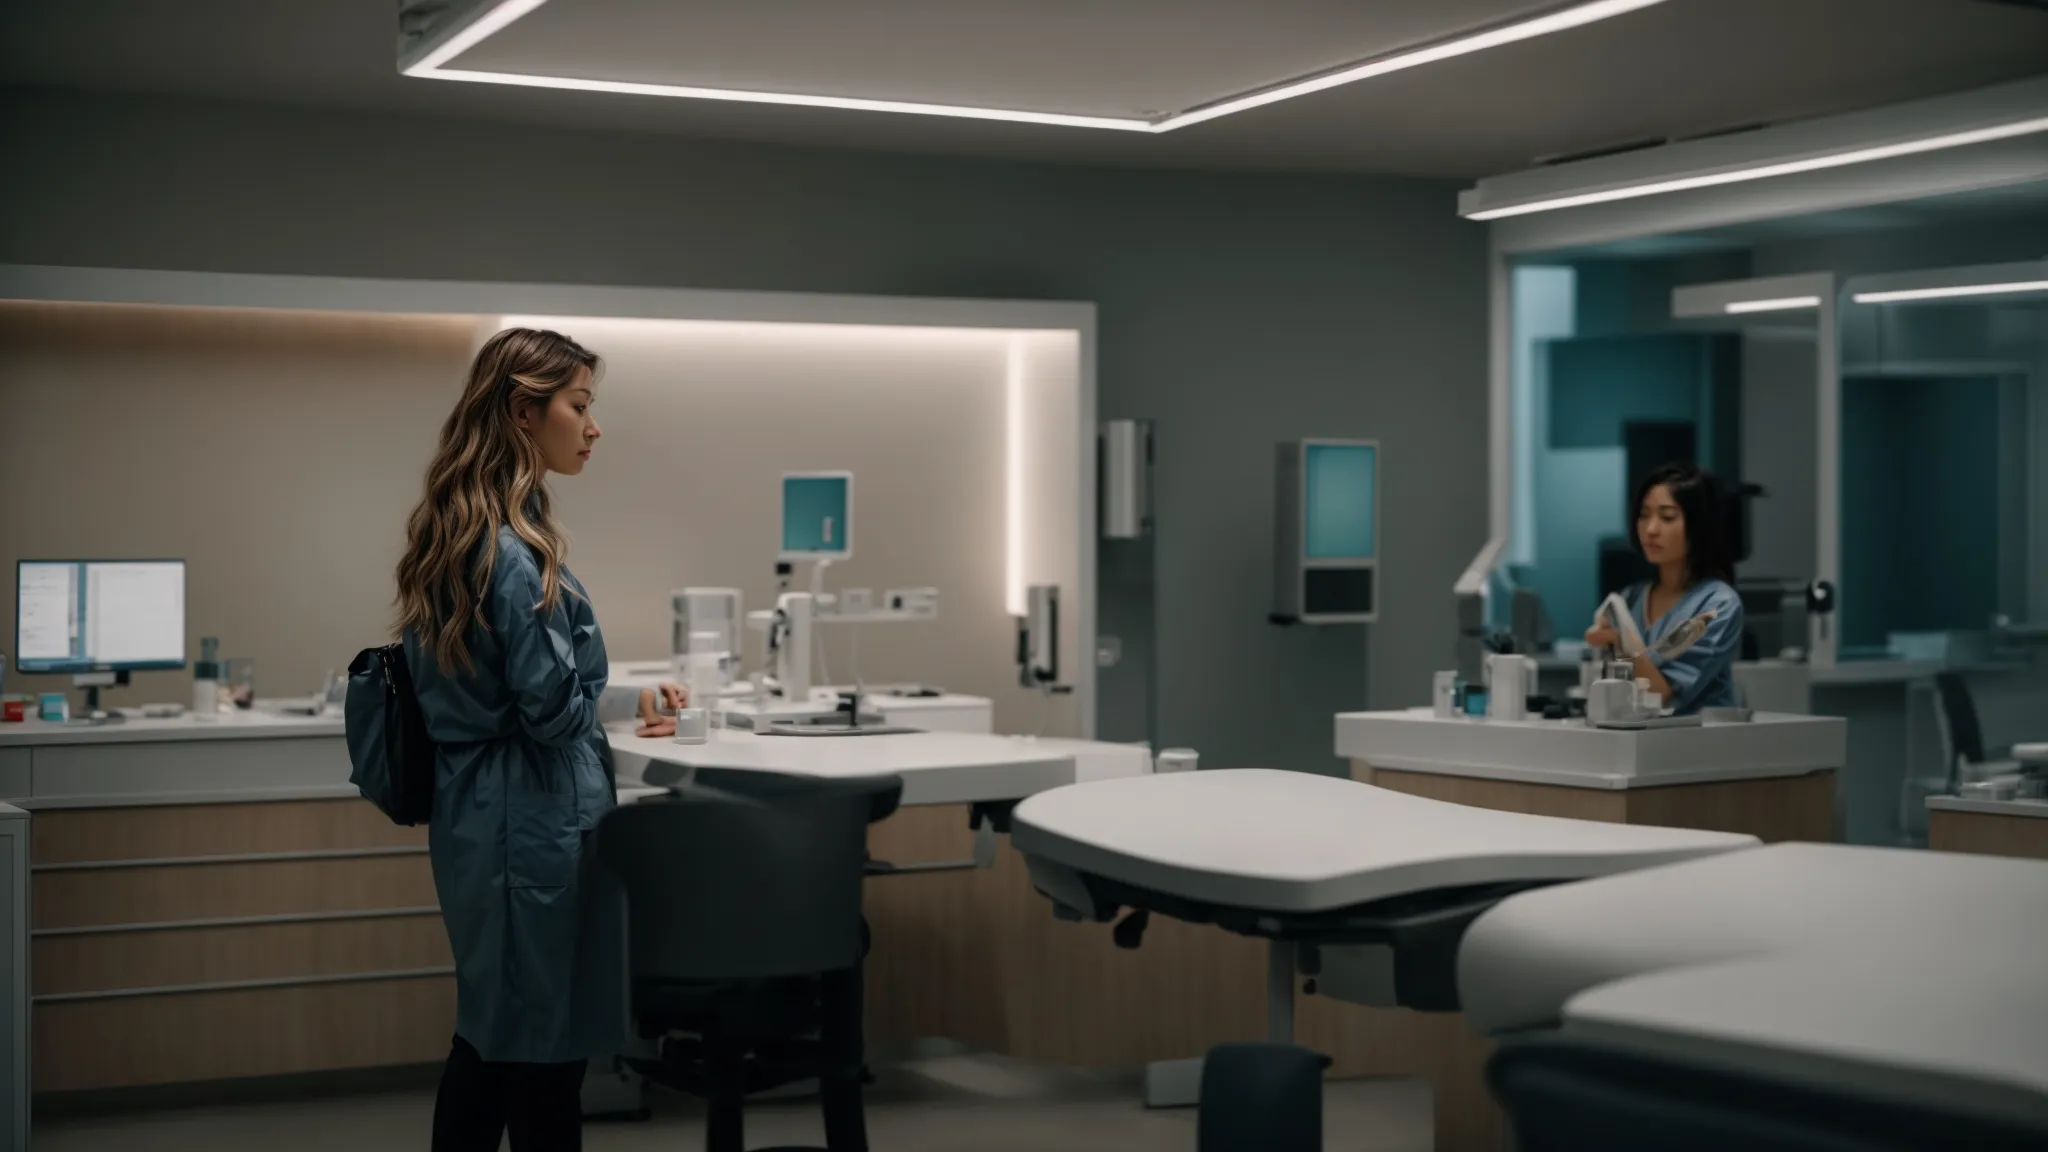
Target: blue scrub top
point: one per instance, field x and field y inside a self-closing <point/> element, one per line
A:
<point x="1703" y="675"/>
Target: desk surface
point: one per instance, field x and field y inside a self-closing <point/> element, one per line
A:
<point x="252" y="725"/>
<point x="2036" y="809"/>
<point x="1571" y="754"/>
<point x="1296" y="842"/>
<point x="937" y="767"/>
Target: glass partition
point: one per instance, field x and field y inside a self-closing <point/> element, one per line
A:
<point x="1944" y="438"/>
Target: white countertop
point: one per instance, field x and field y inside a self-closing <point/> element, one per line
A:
<point x="252" y="725"/>
<point x="1571" y="754"/>
<point x="937" y="767"/>
<point x="1298" y="842"/>
<point x="2034" y="808"/>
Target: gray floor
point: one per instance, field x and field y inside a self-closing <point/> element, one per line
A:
<point x="947" y="1104"/>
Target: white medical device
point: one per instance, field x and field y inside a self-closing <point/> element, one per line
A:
<point x="717" y="610"/>
<point x="817" y="525"/>
<point x="1038" y="638"/>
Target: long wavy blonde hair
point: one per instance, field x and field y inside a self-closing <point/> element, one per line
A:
<point x="487" y="472"/>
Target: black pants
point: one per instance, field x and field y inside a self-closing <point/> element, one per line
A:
<point x="539" y="1104"/>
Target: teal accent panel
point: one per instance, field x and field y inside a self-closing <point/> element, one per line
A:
<point x="1580" y="503"/>
<point x="1919" y="506"/>
<point x="814" y="515"/>
<point x="1598" y="385"/>
<point x="1342" y="484"/>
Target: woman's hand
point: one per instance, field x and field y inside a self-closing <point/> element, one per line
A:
<point x="658" y="716"/>
<point x="1601" y="636"/>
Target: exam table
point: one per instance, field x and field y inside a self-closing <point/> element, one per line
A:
<point x="1794" y="996"/>
<point x="1633" y="938"/>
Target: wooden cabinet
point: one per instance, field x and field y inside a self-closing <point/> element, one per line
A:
<point x="186" y="942"/>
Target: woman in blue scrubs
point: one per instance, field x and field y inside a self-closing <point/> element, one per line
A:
<point x="510" y="669"/>
<point x="1681" y="529"/>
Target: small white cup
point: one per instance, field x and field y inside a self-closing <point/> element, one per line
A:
<point x="693" y="726"/>
<point x="1176" y="760"/>
<point x="1443" y="693"/>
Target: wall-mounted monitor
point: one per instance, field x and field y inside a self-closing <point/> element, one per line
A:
<point x="817" y="516"/>
<point x="1326" y="532"/>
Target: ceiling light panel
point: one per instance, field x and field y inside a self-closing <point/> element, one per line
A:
<point x="1138" y="65"/>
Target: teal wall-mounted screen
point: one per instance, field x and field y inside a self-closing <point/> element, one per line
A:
<point x="815" y="516"/>
<point x="1341" y="493"/>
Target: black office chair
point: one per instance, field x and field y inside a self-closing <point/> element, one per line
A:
<point x="745" y="939"/>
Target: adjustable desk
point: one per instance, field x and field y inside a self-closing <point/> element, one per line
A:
<point x="966" y="952"/>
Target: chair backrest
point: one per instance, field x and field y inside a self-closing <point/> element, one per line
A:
<point x="1959" y="710"/>
<point x="754" y="881"/>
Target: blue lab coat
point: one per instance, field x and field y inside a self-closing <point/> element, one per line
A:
<point x="523" y="775"/>
<point x="1703" y="675"/>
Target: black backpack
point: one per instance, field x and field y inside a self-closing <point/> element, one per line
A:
<point x="390" y="754"/>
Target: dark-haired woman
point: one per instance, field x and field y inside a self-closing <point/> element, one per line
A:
<point x="1681" y="530"/>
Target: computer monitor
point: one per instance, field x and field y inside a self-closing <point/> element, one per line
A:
<point x="817" y="516"/>
<point x="85" y="616"/>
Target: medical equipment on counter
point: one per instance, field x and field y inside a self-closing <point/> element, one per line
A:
<point x="714" y="610"/>
<point x="1443" y="694"/>
<point x="1511" y="679"/>
<point x="1326" y="532"/>
<point x="1177" y="760"/>
<point x="99" y="620"/>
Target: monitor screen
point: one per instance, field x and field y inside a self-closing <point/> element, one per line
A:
<point x="1341" y="500"/>
<point x="99" y="615"/>
<point x="817" y="515"/>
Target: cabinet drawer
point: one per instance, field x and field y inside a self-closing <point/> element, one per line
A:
<point x="158" y="894"/>
<point x="77" y="835"/>
<point x="243" y="1032"/>
<point x="79" y="965"/>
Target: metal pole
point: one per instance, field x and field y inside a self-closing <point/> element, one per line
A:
<point x="1280" y="991"/>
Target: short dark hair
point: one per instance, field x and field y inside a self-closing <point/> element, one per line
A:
<point x="1699" y="495"/>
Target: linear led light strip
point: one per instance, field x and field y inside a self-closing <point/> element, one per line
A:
<point x="499" y="18"/>
<point x="1903" y="294"/>
<point x="1782" y="304"/>
<point x="1765" y="171"/>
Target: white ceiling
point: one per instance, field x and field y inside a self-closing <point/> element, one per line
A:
<point x="1676" y="69"/>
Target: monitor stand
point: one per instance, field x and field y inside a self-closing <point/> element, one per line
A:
<point x="92" y="682"/>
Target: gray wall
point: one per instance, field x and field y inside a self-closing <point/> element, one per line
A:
<point x="1237" y="310"/>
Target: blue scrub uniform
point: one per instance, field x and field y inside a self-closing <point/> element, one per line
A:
<point x="523" y="775"/>
<point x="1703" y="675"/>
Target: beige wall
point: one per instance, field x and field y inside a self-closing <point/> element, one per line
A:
<point x="279" y="454"/>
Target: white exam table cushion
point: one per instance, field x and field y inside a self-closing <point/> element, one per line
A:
<point x="1940" y="1021"/>
<point x="1524" y="958"/>
<point x="1301" y="843"/>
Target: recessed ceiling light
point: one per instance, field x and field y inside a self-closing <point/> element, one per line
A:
<point x="1904" y="294"/>
<point x="430" y="65"/>
<point x="1782" y="304"/>
<point x="1780" y="168"/>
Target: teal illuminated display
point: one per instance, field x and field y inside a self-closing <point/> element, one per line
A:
<point x="1326" y="542"/>
<point x="1342" y="497"/>
<point x="817" y="516"/>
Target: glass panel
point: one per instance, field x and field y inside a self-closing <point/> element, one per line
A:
<point x="1942" y="448"/>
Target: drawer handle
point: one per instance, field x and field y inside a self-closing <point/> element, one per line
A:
<point x="246" y="985"/>
<point x="244" y="858"/>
